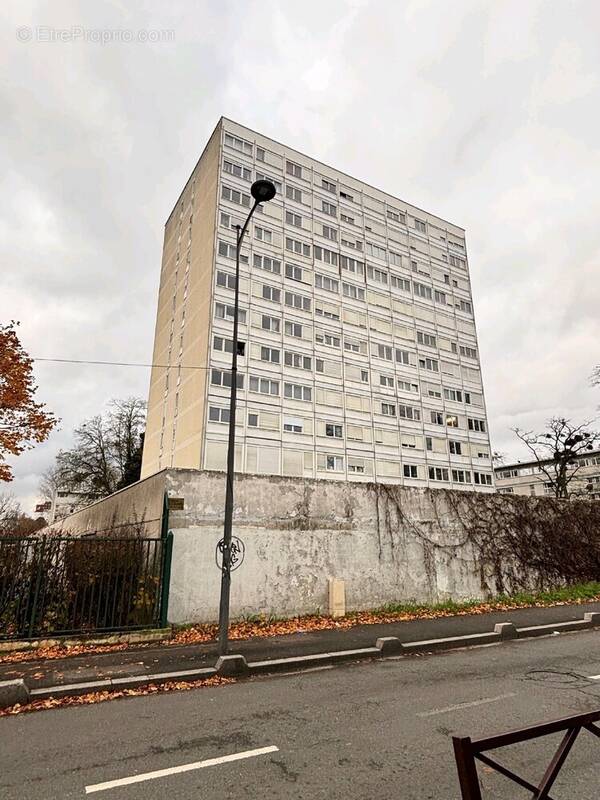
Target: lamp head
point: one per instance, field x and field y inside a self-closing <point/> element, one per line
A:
<point x="263" y="191"/>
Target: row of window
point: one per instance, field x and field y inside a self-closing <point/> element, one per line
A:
<point x="350" y="264"/>
<point x="297" y="171"/>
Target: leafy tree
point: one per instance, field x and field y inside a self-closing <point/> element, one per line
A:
<point x="557" y="451"/>
<point x="23" y="422"/>
<point x="107" y="454"/>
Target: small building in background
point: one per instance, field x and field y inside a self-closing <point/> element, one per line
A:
<point x="529" y="477"/>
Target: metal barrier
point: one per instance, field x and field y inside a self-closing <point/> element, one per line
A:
<point x="54" y="585"/>
<point x="467" y="752"/>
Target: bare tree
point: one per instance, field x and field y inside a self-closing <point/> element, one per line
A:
<point x="558" y="450"/>
<point x="13" y="522"/>
<point x="107" y="452"/>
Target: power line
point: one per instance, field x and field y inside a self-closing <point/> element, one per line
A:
<point x="122" y="363"/>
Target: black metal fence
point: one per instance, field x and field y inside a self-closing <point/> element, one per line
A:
<point x="468" y="751"/>
<point x="53" y="585"/>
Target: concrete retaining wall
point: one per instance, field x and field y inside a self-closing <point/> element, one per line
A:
<point x="299" y="533"/>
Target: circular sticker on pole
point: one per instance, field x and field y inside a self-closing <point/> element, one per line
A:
<point x="236" y="553"/>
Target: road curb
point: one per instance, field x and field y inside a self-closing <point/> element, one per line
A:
<point x="235" y="665"/>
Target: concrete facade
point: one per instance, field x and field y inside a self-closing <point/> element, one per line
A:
<point x="361" y="360"/>
<point x="526" y="478"/>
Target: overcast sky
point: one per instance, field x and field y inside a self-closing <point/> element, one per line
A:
<point x="486" y="113"/>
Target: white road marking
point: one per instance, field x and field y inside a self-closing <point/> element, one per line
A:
<point x="472" y="704"/>
<point x="594" y="677"/>
<point x="162" y="773"/>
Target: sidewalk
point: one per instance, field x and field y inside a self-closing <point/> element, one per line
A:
<point x="155" y="659"/>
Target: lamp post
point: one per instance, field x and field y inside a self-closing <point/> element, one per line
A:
<point x="262" y="191"/>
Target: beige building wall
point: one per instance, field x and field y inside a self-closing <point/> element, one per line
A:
<point x="175" y="424"/>
<point x="361" y="357"/>
<point x="528" y="479"/>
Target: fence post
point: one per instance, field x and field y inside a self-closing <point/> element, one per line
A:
<point x="38" y="580"/>
<point x="167" y="544"/>
<point x="467" y="769"/>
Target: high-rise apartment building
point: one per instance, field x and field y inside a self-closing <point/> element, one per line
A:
<point x="360" y="349"/>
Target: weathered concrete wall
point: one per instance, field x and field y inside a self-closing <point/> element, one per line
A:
<point x="137" y="507"/>
<point x="299" y="533"/>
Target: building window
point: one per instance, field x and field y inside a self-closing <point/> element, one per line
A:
<point x="438" y="473"/>
<point x="384" y="351"/>
<point x="468" y="352"/>
<point x="293" y="194"/>
<point x="402" y="356"/>
<point x="364" y="375"/>
<point x="426" y="339"/>
<point x="237" y="170"/>
<point x="352" y="265"/>
<point x="293" y="425"/>
<point x="297" y="360"/>
<point x="235" y="196"/>
<point x="379" y="252"/>
<point x="295" y="391"/>
<point x="436" y="417"/>
<point x="293" y="169"/>
<point x="477" y="425"/>
<point x="326" y="283"/>
<point x="461" y="476"/>
<point x="451" y="421"/>
<point x="298" y="247"/>
<point x="406" y="386"/>
<point x="227" y="250"/>
<point x="439" y="297"/>
<point x="346" y="218"/>
<point x="483" y="479"/>
<point x="219" y="377"/>
<point x="253" y="420"/>
<point x="238" y="144"/>
<point x="429" y="363"/>
<point x="387" y="381"/>
<point x="226" y="280"/>
<point x="420" y="226"/>
<point x="271" y="293"/>
<point x="335" y="463"/>
<point x="453" y="394"/>
<point x="421" y="290"/>
<point x="217" y="414"/>
<point x="388" y="409"/>
<point x="455" y="448"/>
<point x="292" y="218"/>
<point x="262" y="177"/>
<point x="463" y="305"/>
<point x="293" y="329"/>
<point x="400" y="283"/>
<point x="226" y="345"/>
<point x="333" y="430"/>
<point x="293" y="272"/>
<point x="264" y="385"/>
<point x="267" y="263"/>
<point x="270" y="324"/>
<point x="396" y="216"/>
<point x="410" y="470"/>
<point x="329" y="208"/>
<point x="355" y="292"/>
<point x="328" y="186"/>
<point x="326" y="256"/>
<point x="377" y="275"/>
<point x="263" y="235"/>
<point x="407" y="412"/>
<point x="327" y="338"/>
<point x="223" y="311"/>
<point x="270" y="354"/>
<point x="260" y="154"/>
<point x="298" y="301"/>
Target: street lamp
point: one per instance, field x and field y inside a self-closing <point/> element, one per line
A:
<point x="262" y="191"/>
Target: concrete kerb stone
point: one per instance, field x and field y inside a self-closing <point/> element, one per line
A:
<point x="506" y="630"/>
<point x="451" y="643"/>
<point x="592" y="618"/>
<point x="390" y="646"/>
<point x="13" y="692"/>
<point x="233" y="666"/>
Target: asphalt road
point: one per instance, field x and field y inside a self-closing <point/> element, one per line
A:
<point x="373" y="730"/>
